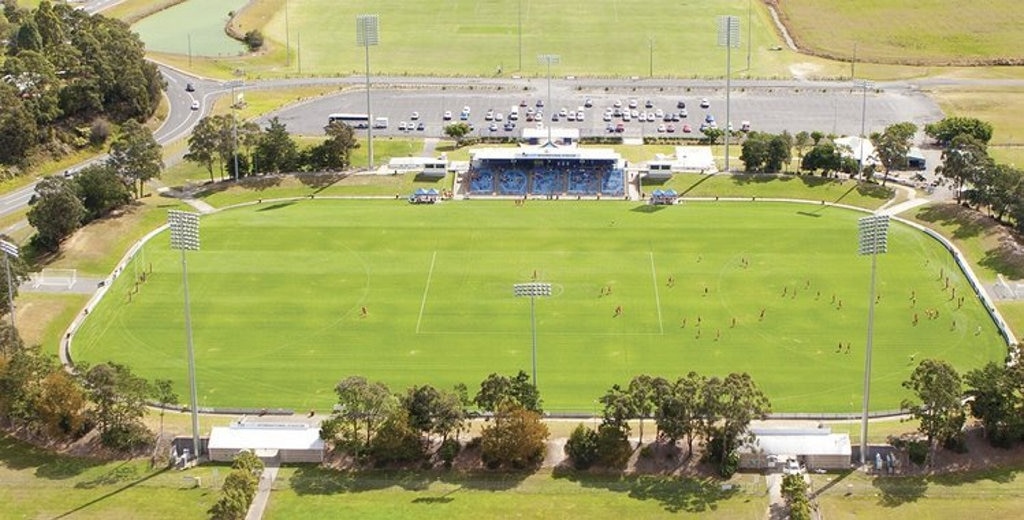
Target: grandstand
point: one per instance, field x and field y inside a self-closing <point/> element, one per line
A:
<point x="546" y="171"/>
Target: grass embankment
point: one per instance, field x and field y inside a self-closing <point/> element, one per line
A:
<point x="921" y="31"/>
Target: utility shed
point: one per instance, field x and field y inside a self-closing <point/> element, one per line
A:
<point x="814" y="448"/>
<point x="285" y="441"/>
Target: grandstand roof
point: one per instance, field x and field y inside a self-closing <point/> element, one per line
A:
<point x="798" y="441"/>
<point x="557" y="134"/>
<point x="266" y="435"/>
<point x="546" y="152"/>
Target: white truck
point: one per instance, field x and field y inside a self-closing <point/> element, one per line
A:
<point x="380" y="122"/>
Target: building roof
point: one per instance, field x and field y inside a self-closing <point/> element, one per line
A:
<point x="798" y="441"/>
<point x="266" y="435"/>
<point x="694" y="158"/>
<point x="546" y="152"/>
<point x="851" y="147"/>
<point x="557" y="134"/>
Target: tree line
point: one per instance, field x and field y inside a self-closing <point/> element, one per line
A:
<point x="223" y="142"/>
<point x="39" y="397"/>
<point x="993" y="394"/>
<point x="373" y="424"/>
<point x="65" y="74"/>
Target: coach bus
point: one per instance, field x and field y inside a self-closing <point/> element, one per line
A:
<point x="353" y="120"/>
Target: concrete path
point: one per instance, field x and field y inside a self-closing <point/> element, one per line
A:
<point x="199" y="205"/>
<point x="259" y="502"/>
<point x="429" y="146"/>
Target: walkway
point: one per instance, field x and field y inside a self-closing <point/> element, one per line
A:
<point x="259" y="502"/>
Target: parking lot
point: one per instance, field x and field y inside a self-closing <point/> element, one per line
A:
<point x="629" y="112"/>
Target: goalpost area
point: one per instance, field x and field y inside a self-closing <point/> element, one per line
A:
<point x="289" y="298"/>
<point x="64" y="278"/>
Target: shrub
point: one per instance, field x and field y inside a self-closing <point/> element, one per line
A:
<point x="581" y="447"/>
<point x="448" y="450"/>
<point x="917" y="451"/>
<point x="613" y="448"/>
<point x="99" y="132"/>
<point x="253" y="40"/>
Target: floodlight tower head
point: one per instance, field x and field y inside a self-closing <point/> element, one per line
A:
<point x="532" y="289"/>
<point x="728" y="31"/>
<point x="184" y="230"/>
<point x="874" y="234"/>
<point x="367" y="33"/>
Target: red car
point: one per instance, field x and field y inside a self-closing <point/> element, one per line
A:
<point x="619" y="128"/>
<point x="687" y="129"/>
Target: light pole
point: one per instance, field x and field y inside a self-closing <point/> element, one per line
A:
<point x="864" y="85"/>
<point x="728" y="37"/>
<point x="10" y="250"/>
<point x="873" y="235"/>
<point x="533" y="290"/>
<point x="185" y="237"/>
<point x="750" y="27"/>
<point x="234" y="124"/>
<point x="287" y="38"/>
<point x="549" y="59"/>
<point x="367" y="35"/>
<point x="650" y="56"/>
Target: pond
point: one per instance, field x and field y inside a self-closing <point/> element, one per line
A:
<point x="198" y="24"/>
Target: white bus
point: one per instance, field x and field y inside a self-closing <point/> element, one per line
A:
<point x="353" y="120"/>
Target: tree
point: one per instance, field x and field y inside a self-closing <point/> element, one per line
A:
<point x="581" y="448"/>
<point x="754" y="152"/>
<point x="237" y="492"/>
<point x="619" y="407"/>
<point x="824" y="157"/>
<point x="457" y="131"/>
<point x="680" y="413"/>
<point x="642" y="394"/>
<point x="277" y="150"/>
<point x="801" y="142"/>
<point x="163" y="391"/>
<point x="497" y="389"/>
<point x="56" y="212"/>
<point x="396" y="440"/>
<point x="431" y="411"/>
<point x="247" y="462"/>
<point x="135" y="155"/>
<point x="101" y="191"/>
<point x="19" y="273"/>
<point x="363" y="405"/>
<point x="892" y="146"/>
<point x="205" y="142"/>
<point x="119" y="397"/>
<point x="515" y="439"/>
<point x="19" y="132"/>
<point x="949" y="128"/>
<point x="60" y="405"/>
<point x="938" y="387"/>
<point x="335" y="152"/>
<point x="962" y="161"/>
<point x="997" y="400"/>
<point x="253" y="40"/>
<point x="794" y="491"/>
<point x="712" y="135"/>
<point x="730" y="404"/>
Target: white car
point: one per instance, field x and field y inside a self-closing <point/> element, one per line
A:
<point x="607" y="116"/>
<point x="580" y="116"/>
<point x="618" y="103"/>
<point x="414" y="116"/>
<point x="704" y="103"/>
<point x="195" y="105"/>
<point x="633" y="103"/>
<point x="661" y="128"/>
<point x="401" y="126"/>
<point x="563" y="112"/>
<point x="447" y="115"/>
<point x="498" y="116"/>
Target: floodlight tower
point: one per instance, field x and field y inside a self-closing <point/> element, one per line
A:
<point x="9" y="250"/>
<point x="234" y="122"/>
<point x="185" y="237"/>
<point x="533" y="290"/>
<point x="728" y="37"/>
<point x="549" y="59"/>
<point x="873" y="234"/>
<point x="864" y="85"/>
<point x="367" y="34"/>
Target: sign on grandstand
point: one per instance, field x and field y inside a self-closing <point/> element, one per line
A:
<point x="55" y="278"/>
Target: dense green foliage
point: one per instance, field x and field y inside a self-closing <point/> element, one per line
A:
<point x="66" y="68"/>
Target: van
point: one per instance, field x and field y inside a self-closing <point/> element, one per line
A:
<point x="380" y="122"/>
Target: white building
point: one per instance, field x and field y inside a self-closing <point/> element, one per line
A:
<point x="814" y="448"/>
<point x="286" y="441"/>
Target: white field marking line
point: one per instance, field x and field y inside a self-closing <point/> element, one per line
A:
<point x="426" y="289"/>
<point x="657" y="297"/>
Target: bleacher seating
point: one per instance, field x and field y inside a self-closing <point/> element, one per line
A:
<point x="583" y="179"/>
<point x="481" y="182"/>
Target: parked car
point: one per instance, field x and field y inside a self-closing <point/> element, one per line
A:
<point x="704" y="103"/>
<point x="680" y="104"/>
<point x="687" y="129"/>
<point x="189" y="87"/>
<point x="195" y="105"/>
<point x="447" y="115"/>
<point x="420" y="126"/>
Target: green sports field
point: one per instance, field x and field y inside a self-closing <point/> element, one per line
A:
<point x="277" y="293"/>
